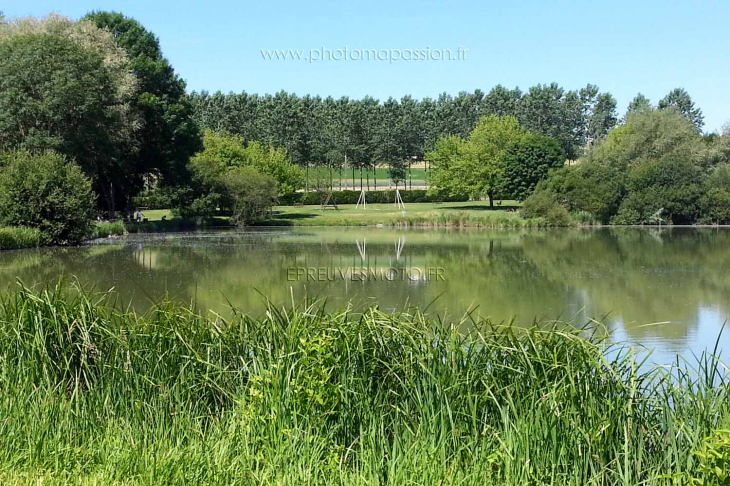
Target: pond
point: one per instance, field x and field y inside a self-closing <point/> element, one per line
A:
<point x="665" y="289"/>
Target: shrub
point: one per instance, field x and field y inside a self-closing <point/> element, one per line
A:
<point x="589" y="186"/>
<point x="17" y="238"/>
<point x="664" y="189"/>
<point x="48" y="192"/>
<point x="544" y="205"/>
<point x="227" y="151"/>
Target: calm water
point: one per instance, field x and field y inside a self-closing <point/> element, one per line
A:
<point x="668" y="290"/>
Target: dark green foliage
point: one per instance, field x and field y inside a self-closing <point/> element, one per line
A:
<point x="527" y="162"/>
<point x="58" y="94"/>
<point x="169" y="135"/>
<point x="324" y="130"/>
<point x="715" y="203"/>
<point x="654" y="169"/>
<point x="48" y="192"/>
<point x="591" y="187"/>
<point x="663" y="190"/>
<point x="679" y="100"/>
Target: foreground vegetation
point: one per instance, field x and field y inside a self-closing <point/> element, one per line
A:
<point x="90" y="394"/>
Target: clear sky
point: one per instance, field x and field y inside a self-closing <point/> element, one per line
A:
<point x="624" y="47"/>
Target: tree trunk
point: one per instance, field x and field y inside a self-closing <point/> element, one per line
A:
<point x="491" y="199"/>
<point x="108" y="194"/>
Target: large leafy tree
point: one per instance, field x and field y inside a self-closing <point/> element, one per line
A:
<point x="169" y="134"/>
<point x="223" y="152"/>
<point x="648" y="170"/>
<point x="527" y="161"/>
<point x="65" y="86"/>
<point x="476" y="166"/>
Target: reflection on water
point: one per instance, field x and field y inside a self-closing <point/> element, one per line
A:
<point x="667" y="289"/>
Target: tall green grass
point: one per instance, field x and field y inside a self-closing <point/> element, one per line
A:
<point x="91" y="394"/>
<point x="109" y="228"/>
<point x="16" y="238"/>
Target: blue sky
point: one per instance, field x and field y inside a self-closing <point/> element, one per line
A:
<point x="624" y="47"/>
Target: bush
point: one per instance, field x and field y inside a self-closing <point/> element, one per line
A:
<point x="589" y="186"/>
<point x="48" y="192"/>
<point x="665" y="189"/>
<point x="543" y="205"/>
<point x="17" y="238"/>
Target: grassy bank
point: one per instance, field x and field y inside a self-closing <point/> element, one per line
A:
<point x="17" y="238"/>
<point x="463" y="214"/>
<point x="91" y="395"/>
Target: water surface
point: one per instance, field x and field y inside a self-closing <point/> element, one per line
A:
<point x="668" y="290"/>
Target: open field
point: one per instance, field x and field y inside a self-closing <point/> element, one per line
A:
<point x="92" y="395"/>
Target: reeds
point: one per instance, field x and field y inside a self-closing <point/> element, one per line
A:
<point x="106" y="229"/>
<point x="90" y="393"/>
<point x="15" y="238"/>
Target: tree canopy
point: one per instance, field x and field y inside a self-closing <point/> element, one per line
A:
<point x="475" y="166"/>
<point x="65" y="86"/>
<point x="655" y="168"/>
<point x="168" y="134"/>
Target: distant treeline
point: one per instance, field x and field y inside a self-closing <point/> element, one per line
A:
<point x="367" y="132"/>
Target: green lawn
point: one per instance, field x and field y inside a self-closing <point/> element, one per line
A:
<point x="157" y="214"/>
<point x="428" y="214"/>
<point x="473" y="213"/>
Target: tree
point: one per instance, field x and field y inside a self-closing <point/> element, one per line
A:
<point x="602" y="117"/>
<point x="639" y="103"/>
<point x="65" y="86"/>
<point x="475" y="167"/>
<point x="527" y="161"/>
<point x="45" y="190"/>
<point x="252" y="195"/>
<point x="230" y="151"/>
<point x="445" y="160"/>
<point x="678" y="99"/>
<point x="169" y="135"/>
<point x="647" y="170"/>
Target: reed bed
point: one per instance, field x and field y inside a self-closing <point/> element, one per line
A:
<point x="16" y="238"/>
<point x="106" y="229"/>
<point x="93" y="394"/>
